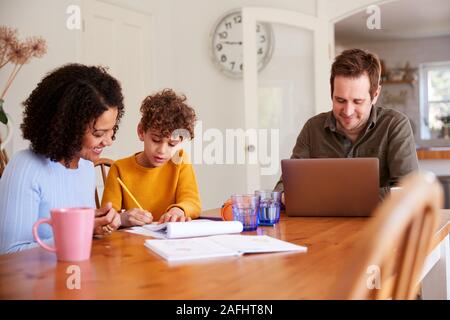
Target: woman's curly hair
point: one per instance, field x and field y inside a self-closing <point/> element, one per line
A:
<point x="166" y="112"/>
<point x="64" y="104"/>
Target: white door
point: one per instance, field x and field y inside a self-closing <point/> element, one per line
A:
<point x="287" y="92"/>
<point x="121" y="39"/>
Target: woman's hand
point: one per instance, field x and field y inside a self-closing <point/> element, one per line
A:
<point x="173" y="215"/>
<point x="106" y="220"/>
<point x="135" y="217"/>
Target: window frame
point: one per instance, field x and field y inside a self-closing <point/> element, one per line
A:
<point x="424" y="68"/>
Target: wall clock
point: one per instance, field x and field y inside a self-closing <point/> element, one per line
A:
<point x="226" y="47"/>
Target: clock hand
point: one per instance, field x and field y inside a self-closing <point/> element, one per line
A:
<point x="232" y="42"/>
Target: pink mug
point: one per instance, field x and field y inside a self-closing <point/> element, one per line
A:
<point x="73" y="229"/>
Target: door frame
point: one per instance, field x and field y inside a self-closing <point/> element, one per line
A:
<point x="319" y="25"/>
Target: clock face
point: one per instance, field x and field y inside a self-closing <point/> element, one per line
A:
<point x="227" y="44"/>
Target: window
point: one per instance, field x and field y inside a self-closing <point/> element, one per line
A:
<point x="435" y="100"/>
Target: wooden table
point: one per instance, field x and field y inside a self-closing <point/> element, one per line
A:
<point x="122" y="268"/>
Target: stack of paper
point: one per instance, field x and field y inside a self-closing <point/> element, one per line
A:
<point x="195" y="228"/>
<point x="218" y="246"/>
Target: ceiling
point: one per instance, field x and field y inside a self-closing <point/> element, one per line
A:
<point x="400" y="20"/>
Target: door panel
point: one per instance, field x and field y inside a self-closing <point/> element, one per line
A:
<point x="287" y="92"/>
<point x="121" y="39"/>
<point x="285" y="97"/>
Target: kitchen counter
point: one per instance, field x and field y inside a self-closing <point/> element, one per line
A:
<point x="434" y="153"/>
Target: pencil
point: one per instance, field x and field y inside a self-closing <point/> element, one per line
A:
<point x="129" y="193"/>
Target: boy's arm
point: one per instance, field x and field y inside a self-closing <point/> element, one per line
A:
<point x="187" y="196"/>
<point x="112" y="192"/>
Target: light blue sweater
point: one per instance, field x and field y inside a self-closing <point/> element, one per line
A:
<point x="30" y="186"/>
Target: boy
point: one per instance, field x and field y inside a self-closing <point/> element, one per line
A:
<point x="164" y="187"/>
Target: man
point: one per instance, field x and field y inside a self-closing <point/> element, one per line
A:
<point x="356" y="127"/>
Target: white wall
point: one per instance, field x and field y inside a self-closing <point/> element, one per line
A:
<point x="46" y="18"/>
<point x="161" y="12"/>
<point x="337" y="10"/>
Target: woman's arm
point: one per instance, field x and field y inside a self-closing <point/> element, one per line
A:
<point x="19" y="205"/>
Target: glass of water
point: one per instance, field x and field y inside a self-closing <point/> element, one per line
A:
<point x="269" y="207"/>
<point x="245" y="210"/>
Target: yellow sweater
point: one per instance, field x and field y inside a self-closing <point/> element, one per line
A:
<point x="156" y="189"/>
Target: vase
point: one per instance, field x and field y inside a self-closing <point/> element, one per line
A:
<point x="6" y="133"/>
<point x="3" y="118"/>
<point x="3" y="155"/>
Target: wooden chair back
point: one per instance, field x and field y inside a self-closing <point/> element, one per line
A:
<point x="104" y="164"/>
<point x="390" y="253"/>
<point x="3" y="159"/>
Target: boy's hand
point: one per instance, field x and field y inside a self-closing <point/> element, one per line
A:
<point x="135" y="217"/>
<point x="173" y="215"/>
<point x="106" y="220"/>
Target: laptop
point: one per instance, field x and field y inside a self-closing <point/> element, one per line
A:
<point x="338" y="187"/>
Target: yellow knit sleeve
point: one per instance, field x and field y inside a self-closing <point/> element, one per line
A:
<point x="112" y="192"/>
<point x="187" y="195"/>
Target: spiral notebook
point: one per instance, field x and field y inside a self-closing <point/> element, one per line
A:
<point x="219" y="246"/>
<point x="195" y="228"/>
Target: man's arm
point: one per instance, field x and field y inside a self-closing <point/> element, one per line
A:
<point x="402" y="154"/>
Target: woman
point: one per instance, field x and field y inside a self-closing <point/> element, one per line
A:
<point x="69" y="118"/>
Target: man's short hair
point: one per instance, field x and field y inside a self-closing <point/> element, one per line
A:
<point x="353" y="63"/>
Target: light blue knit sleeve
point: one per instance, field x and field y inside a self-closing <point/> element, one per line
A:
<point x="30" y="187"/>
<point x="19" y="203"/>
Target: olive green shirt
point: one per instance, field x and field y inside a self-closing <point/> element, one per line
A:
<point x="387" y="136"/>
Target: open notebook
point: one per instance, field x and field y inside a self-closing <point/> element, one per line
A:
<point x="218" y="246"/>
<point x="195" y="228"/>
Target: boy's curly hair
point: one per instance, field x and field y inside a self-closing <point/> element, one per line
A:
<point x="63" y="105"/>
<point x="166" y="112"/>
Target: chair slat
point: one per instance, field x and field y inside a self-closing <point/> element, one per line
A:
<point x="103" y="163"/>
<point x="398" y="239"/>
